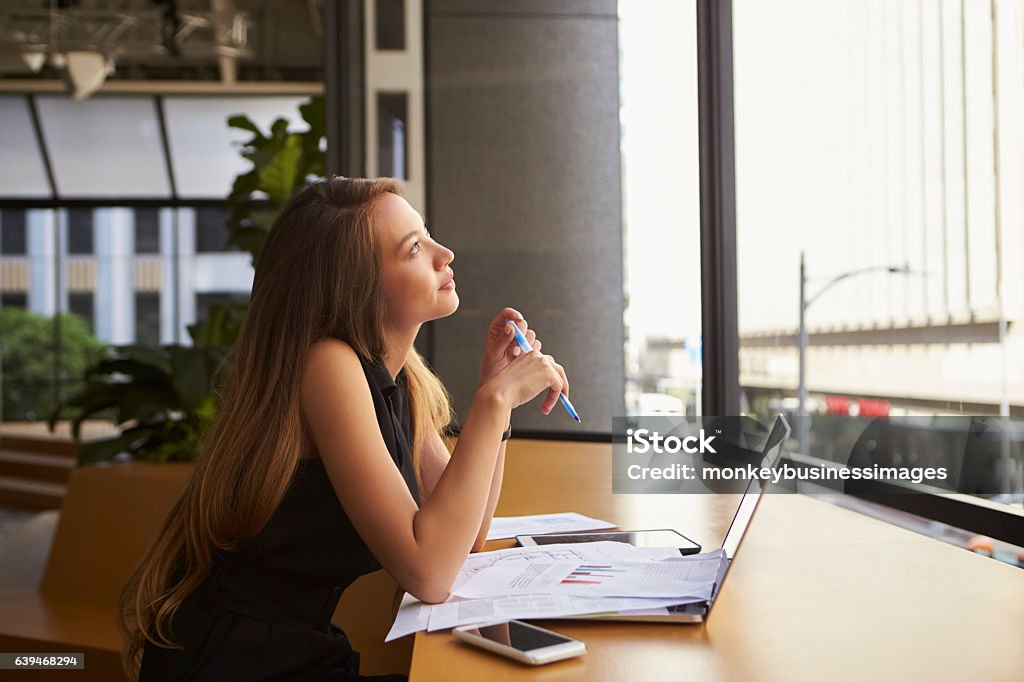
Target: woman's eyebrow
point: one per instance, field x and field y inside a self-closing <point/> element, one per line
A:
<point x="408" y="237"/>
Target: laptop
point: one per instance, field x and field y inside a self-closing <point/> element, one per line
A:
<point x="699" y="612"/>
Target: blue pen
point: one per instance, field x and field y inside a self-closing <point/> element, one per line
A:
<point x="521" y="340"/>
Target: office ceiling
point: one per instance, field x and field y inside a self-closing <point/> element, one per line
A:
<point x="163" y="40"/>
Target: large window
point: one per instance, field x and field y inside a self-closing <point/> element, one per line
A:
<point x="101" y="259"/>
<point x="127" y="275"/>
<point x="878" y="154"/>
<point x="661" y="206"/>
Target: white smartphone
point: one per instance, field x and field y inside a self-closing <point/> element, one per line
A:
<point x="520" y="641"/>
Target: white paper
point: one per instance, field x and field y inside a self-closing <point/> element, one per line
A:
<point x="693" y="576"/>
<point x="516" y="577"/>
<point x="457" y="611"/>
<point x="675" y="574"/>
<point x="539" y="524"/>
<point x="413" y="616"/>
<point x="516" y="558"/>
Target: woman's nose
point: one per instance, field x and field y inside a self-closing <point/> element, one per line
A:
<point x="446" y="255"/>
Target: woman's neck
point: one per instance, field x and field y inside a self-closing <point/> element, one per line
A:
<point x="398" y="343"/>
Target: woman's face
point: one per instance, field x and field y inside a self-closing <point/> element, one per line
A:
<point x="418" y="282"/>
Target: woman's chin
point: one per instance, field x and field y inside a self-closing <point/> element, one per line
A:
<point x="449" y="307"/>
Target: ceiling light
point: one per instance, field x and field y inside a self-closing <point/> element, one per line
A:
<point x="87" y="71"/>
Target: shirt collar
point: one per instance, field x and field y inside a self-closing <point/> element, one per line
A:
<point x="382" y="377"/>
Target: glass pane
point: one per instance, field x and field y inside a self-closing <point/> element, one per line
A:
<point x="147" y="318"/>
<point x="211" y="230"/>
<point x="80" y="231"/>
<point x="80" y="303"/>
<point x="878" y="153"/>
<point x="22" y="173"/>
<point x="13" y="300"/>
<point x="392" y="148"/>
<point x="147" y="230"/>
<point x="204" y="149"/>
<point x="104" y="146"/>
<point x="661" y="205"/>
<point x="38" y="371"/>
<point x="13" y="240"/>
<point x="390" y="20"/>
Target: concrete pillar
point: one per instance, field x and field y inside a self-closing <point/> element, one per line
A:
<point x="169" y="294"/>
<point x="114" y="230"/>
<point x="186" y="241"/>
<point x="44" y="260"/>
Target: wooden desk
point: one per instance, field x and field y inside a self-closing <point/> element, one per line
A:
<point x="818" y="593"/>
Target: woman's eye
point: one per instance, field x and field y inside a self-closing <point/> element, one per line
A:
<point x="415" y="248"/>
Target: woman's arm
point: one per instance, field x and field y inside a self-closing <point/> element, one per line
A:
<point x="433" y="463"/>
<point x="492" y="499"/>
<point x="422" y="548"/>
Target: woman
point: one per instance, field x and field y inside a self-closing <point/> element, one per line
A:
<point x="326" y="461"/>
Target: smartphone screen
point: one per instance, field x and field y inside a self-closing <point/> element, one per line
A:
<point x="519" y="636"/>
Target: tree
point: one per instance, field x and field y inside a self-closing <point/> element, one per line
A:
<point x="30" y="358"/>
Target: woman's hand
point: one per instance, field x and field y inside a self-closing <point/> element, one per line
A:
<point x="501" y="347"/>
<point x="526" y="376"/>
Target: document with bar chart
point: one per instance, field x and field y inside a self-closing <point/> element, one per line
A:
<point x="684" y="578"/>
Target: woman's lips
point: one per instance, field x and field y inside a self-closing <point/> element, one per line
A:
<point x="449" y="285"/>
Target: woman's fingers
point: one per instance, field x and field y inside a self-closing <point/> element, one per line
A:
<point x="559" y="384"/>
<point x="531" y="338"/>
<point x="499" y="330"/>
<point x="500" y="321"/>
<point x="565" y="379"/>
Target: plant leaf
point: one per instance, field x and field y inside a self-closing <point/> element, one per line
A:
<point x="278" y="177"/>
<point x="312" y="112"/>
<point x="245" y="123"/>
<point x="189" y="376"/>
<point x="147" y="355"/>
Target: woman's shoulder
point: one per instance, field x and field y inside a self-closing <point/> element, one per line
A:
<point x="331" y="347"/>
<point x="328" y="364"/>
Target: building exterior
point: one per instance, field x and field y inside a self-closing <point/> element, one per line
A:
<point x="132" y="274"/>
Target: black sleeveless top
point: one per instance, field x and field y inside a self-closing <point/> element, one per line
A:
<point x="264" y="612"/>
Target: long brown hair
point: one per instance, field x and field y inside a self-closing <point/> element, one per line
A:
<point x="317" y="276"/>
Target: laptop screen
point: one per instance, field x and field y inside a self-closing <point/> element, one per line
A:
<point x="772" y="454"/>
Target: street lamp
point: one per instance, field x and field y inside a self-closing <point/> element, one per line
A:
<point x="802" y="420"/>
